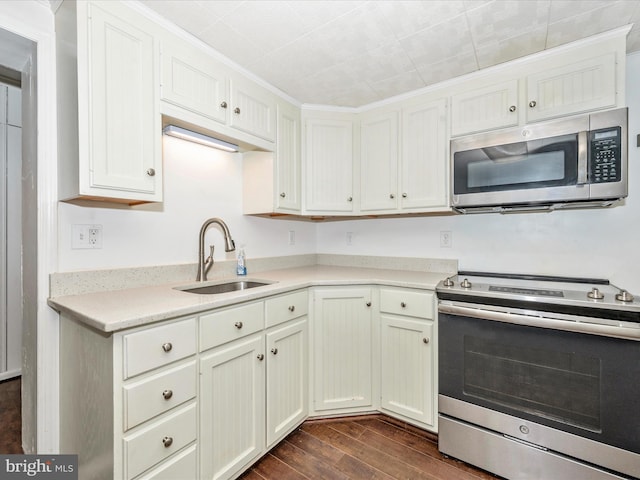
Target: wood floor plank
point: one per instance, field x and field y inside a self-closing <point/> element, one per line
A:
<point x="306" y="463"/>
<point x="376" y="458"/>
<point x="270" y="467"/>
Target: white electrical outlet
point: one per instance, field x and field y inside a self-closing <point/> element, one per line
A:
<point x="349" y="238"/>
<point x="292" y="237"/>
<point x="86" y="236"/>
<point x="446" y="239"/>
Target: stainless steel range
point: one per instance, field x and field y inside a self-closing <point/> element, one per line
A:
<point x="539" y="377"/>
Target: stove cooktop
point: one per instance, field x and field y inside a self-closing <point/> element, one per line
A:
<point x="487" y="287"/>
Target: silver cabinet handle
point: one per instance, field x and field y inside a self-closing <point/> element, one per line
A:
<point x="283" y="194"/>
<point x="238" y="325"/>
<point x="260" y="357"/>
<point x="151" y="172"/>
<point x="392" y="196"/>
<point x="425" y="340"/>
<point x="532" y="103"/>
<point x="167" y="394"/>
<point x="236" y="111"/>
<point x="167" y="441"/>
<point x="403" y="305"/>
<point x="512" y="108"/>
<point x="223" y="105"/>
<point x="349" y="199"/>
<point x="167" y="347"/>
<point x="274" y="351"/>
<point x="404" y="195"/>
<point x="292" y="308"/>
<point x="368" y="304"/>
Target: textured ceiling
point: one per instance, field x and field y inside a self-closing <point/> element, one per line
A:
<point x="355" y="52"/>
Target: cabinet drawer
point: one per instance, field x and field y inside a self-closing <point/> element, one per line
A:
<point x="287" y="307"/>
<point x="152" y="348"/>
<point x="184" y="465"/>
<point x="146" y="399"/>
<point x="226" y="325"/>
<point x="411" y="303"/>
<point x="152" y="445"/>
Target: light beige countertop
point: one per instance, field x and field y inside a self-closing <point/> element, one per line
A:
<point x="110" y="311"/>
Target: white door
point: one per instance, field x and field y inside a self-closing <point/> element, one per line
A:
<point x="287" y="374"/>
<point x="231" y="408"/>
<point x="343" y="348"/>
<point x="10" y="232"/>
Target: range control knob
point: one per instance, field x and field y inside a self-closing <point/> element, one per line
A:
<point x="448" y="282"/>
<point x="595" y="294"/>
<point x="624" y="296"/>
<point x="465" y="283"/>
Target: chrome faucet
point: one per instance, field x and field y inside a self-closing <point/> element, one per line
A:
<point x="229" y="246"/>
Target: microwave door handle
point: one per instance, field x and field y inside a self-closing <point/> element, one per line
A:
<point x="582" y="158"/>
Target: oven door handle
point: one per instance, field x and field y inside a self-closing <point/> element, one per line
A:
<point x="580" y="325"/>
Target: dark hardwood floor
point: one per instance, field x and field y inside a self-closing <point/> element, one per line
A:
<point x="366" y="447"/>
<point x="10" y="416"/>
<point x="370" y="447"/>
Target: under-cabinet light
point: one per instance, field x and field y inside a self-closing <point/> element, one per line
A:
<point x="196" y="137"/>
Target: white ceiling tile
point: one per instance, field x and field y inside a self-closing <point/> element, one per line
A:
<point x="398" y="84"/>
<point x="452" y="67"/>
<point x="589" y="23"/>
<point x="314" y="13"/>
<point x="242" y="50"/>
<point x="499" y="20"/>
<point x="563" y="9"/>
<point x="437" y="44"/>
<point x="506" y="50"/>
<point x="408" y="17"/>
<point x="189" y="16"/>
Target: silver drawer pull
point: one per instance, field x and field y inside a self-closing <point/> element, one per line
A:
<point x="274" y="351"/>
<point x="425" y="340"/>
<point x="260" y="357"/>
<point x="223" y="105"/>
<point x="151" y="172"/>
<point x="403" y="305"/>
<point x="238" y="325"/>
<point x="167" y="394"/>
<point x="167" y="347"/>
<point x="292" y="308"/>
<point x="167" y="441"/>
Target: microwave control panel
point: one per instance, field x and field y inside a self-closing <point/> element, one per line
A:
<point x="605" y="155"/>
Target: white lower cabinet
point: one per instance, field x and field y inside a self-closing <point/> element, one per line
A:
<point x="232" y="408"/>
<point x="343" y="353"/>
<point x="408" y="386"/>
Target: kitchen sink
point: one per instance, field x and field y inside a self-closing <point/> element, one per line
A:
<point x="226" y="287"/>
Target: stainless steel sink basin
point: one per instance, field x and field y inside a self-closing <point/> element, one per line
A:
<point x="225" y="287"/>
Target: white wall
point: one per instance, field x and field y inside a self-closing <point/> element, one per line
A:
<point x="199" y="182"/>
<point x="595" y="243"/>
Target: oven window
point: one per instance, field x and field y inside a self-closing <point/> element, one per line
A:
<point x="561" y="386"/>
<point x="535" y="168"/>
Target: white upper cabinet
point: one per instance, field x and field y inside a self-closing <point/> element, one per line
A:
<point x="212" y="96"/>
<point x="109" y="141"/>
<point x="329" y="166"/>
<point x="574" y="88"/>
<point x="379" y="138"/>
<point x="495" y="106"/>
<point x="565" y="84"/>
<point x="191" y="80"/>
<point x="424" y="157"/>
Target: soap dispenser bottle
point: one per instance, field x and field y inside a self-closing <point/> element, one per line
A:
<point x="241" y="266"/>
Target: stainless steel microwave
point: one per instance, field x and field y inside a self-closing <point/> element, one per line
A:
<point x="575" y="162"/>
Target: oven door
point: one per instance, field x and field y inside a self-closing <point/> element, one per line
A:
<point x="583" y="384"/>
<point x="538" y="164"/>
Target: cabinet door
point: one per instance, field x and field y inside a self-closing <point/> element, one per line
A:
<point x="287" y="374"/>
<point x="574" y="88"/>
<point x="495" y="106"/>
<point x="379" y="162"/>
<point x="407" y="380"/>
<point x="329" y="166"/>
<point x="342" y="346"/>
<point x="288" y="160"/>
<point x="424" y="156"/>
<point x="124" y="120"/>
<point x="253" y="109"/>
<point x="193" y="81"/>
<point x="231" y="408"/>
